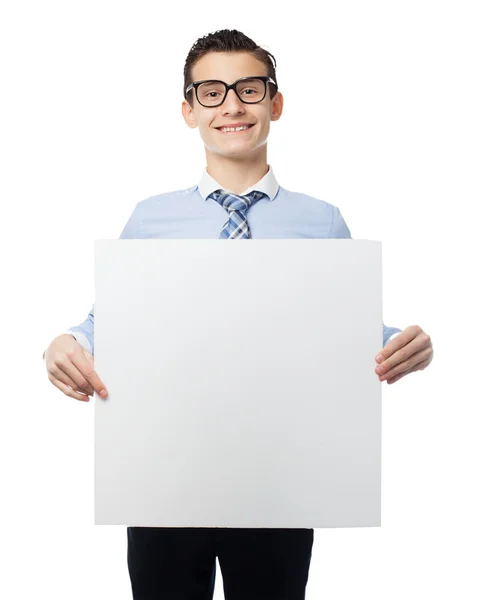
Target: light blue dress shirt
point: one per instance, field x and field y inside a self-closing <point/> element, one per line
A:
<point x="188" y="213"/>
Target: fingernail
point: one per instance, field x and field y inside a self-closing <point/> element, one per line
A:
<point x="380" y="358"/>
<point x="103" y="393"/>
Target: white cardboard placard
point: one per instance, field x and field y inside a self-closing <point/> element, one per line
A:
<point x="241" y="381"/>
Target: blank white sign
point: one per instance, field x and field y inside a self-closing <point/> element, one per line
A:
<point x="241" y="381"/>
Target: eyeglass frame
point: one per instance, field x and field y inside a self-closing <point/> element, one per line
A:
<point x="266" y="79"/>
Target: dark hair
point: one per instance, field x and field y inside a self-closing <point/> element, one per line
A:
<point x="227" y="40"/>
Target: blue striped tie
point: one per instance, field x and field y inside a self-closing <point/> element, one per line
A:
<point x="237" y="225"/>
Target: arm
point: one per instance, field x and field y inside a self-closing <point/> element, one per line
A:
<point x="339" y="229"/>
<point x="84" y="332"/>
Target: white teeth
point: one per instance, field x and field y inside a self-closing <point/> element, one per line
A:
<point x="235" y="128"/>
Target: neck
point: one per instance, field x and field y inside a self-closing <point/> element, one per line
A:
<point x="236" y="174"/>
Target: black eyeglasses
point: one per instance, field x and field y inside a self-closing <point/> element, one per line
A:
<point x="212" y="92"/>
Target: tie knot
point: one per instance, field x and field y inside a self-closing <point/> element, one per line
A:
<point x="231" y="201"/>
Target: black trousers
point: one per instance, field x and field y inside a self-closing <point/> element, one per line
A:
<point x="179" y="563"/>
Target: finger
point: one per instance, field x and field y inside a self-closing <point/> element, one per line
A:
<point x="399" y="355"/>
<point x="88" y="370"/>
<point x="400" y="341"/>
<point x="394" y="379"/>
<point x="421" y="365"/>
<point x="407" y="364"/>
<point x="67" y="390"/>
<point x="406" y="336"/>
<point x="64" y="378"/>
<point x="409" y="361"/>
<point x="417" y="367"/>
<point x="78" y="368"/>
<point x="64" y="373"/>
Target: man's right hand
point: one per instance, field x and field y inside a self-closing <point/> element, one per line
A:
<point x="70" y="368"/>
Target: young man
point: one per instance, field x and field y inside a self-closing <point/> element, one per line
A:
<point x="229" y="82"/>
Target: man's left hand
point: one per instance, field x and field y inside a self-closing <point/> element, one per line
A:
<point x="409" y="351"/>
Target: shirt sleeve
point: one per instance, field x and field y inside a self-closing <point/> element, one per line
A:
<point x="84" y="332"/>
<point x="392" y="336"/>
<point x="339" y="229"/>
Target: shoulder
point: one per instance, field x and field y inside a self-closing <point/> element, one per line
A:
<point x="309" y="202"/>
<point x="148" y="209"/>
<point x="167" y="196"/>
<point x="326" y="211"/>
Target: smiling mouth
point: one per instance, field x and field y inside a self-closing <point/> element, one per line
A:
<point x="234" y="131"/>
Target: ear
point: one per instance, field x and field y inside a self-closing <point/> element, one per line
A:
<point x="276" y="106"/>
<point x="188" y="115"/>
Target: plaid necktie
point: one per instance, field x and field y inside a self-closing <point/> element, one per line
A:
<point x="237" y="225"/>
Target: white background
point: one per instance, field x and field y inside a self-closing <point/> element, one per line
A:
<point x="380" y="119"/>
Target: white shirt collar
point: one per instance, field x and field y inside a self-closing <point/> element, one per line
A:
<point x="267" y="184"/>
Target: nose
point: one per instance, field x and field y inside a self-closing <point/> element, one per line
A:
<point x="231" y="102"/>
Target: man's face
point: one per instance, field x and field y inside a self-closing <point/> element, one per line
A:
<point x="229" y="67"/>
